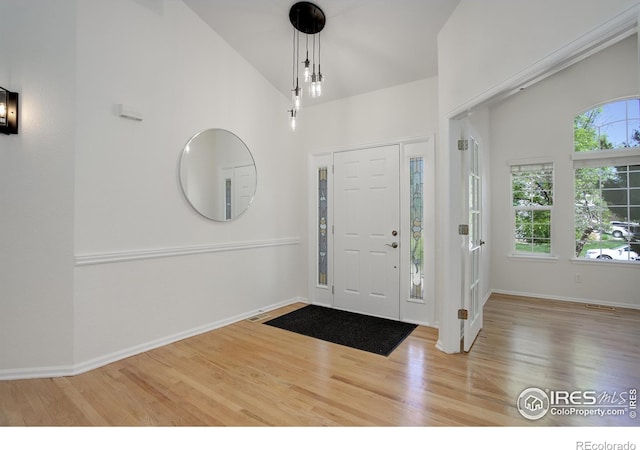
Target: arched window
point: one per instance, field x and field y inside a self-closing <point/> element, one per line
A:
<point x="607" y="181"/>
<point x="613" y="125"/>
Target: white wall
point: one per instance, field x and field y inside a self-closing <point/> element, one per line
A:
<point x="403" y="111"/>
<point x="147" y="268"/>
<point x="36" y="185"/>
<point x="538" y="123"/>
<point x="185" y="78"/>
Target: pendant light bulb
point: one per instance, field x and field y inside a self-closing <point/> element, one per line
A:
<point x="319" y="83"/>
<point x="296" y="97"/>
<point x="298" y="103"/>
<point x="313" y="89"/>
<point x="307" y="70"/>
<point x="307" y="63"/>
<point x="292" y="118"/>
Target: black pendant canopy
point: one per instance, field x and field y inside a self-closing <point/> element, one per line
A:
<point x="307" y="17"/>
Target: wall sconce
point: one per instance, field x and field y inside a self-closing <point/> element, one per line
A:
<point x="8" y="112"/>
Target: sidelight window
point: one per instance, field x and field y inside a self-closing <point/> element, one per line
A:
<point x="323" y="266"/>
<point x="416" y="232"/>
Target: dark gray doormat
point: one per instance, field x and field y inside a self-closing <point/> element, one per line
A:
<point x="371" y="334"/>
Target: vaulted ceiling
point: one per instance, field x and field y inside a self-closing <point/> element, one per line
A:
<point x="366" y="44"/>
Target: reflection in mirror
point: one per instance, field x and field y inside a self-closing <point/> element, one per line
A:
<point x="217" y="174"/>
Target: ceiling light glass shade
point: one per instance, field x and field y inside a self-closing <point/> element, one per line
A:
<point x="319" y="84"/>
<point x="307" y="70"/>
<point x="292" y="118"/>
<point x="313" y="88"/>
<point x="296" y="98"/>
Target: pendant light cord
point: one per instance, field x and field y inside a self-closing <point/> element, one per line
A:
<point x="293" y="67"/>
<point x="319" y="51"/>
<point x="297" y="58"/>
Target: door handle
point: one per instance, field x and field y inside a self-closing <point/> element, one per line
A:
<point x="392" y="245"/>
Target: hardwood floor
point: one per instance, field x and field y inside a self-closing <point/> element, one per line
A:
<point x="250" y="374"/>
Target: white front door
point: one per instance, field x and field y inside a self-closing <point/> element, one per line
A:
<point x="473" y="248"/>
<point x="366" y="234"/>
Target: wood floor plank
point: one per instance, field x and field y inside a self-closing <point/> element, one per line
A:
<point x="251" y="374"/>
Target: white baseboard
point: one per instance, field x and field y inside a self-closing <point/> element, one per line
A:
<point x="85" y="366"/>
<point x="35" y="372"/>
<point x="567" y="299"/>
<point x="486" y="297"/>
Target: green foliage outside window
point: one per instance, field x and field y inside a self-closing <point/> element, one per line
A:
<point x="532" y="199"/>
<point x="605" y="194"/>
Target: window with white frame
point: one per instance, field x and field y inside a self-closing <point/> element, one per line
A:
<point x="607" y="182"/>
<point x="532" y="206"/>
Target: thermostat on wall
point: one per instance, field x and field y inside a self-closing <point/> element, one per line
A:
<point x="128" y="112"/>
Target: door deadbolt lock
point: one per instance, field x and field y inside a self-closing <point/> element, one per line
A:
<point x="394" y="233"/>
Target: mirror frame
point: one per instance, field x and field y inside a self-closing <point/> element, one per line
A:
<point x="182" y="167"/>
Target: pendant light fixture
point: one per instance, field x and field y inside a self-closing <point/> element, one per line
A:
<point x="309" y="19"/>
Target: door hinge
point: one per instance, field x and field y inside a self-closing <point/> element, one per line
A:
<point x="463" y="230"/>
<point x="463" y="144"/>
<point x="463" y="314"/>
<point x="333" y="290"/>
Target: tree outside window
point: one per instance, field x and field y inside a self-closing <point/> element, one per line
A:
<point x="607" y="182"/>
<point x="532" y="201"/>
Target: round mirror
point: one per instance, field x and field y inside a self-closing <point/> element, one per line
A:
<point x="217" y="174"/>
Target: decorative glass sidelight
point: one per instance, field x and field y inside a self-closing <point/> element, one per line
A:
<point x="416" y="179"/>
<point x="322" y="227"/>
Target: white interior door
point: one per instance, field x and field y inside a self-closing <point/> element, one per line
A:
<point x="473" y="247"/>
<point x="366" y="234"/>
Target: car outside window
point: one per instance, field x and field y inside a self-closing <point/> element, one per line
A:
<point x="607" y="182"/>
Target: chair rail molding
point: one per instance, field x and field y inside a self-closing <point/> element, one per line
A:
<point x="134" y="255"/>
